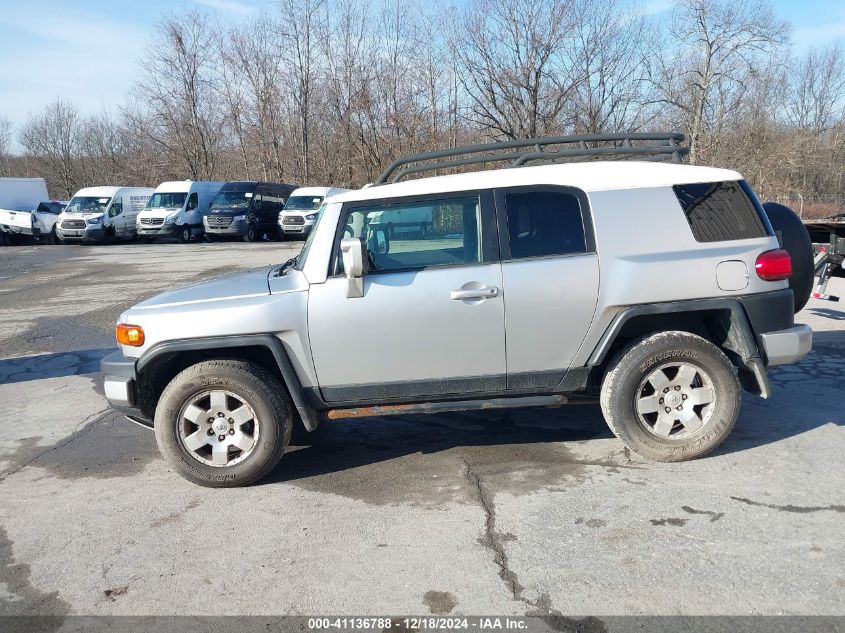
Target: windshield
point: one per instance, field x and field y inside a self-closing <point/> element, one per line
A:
<point x="86" y="204"/>
<point x="173" y="200"/>
<point x="303" y="203"/>
<point x="303" y="254"/>
<point x="232" y="200"/>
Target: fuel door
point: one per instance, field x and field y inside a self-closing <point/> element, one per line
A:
<point x="732" y="275"/>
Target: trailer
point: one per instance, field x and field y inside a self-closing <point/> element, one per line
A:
<point x="828" y="237"/>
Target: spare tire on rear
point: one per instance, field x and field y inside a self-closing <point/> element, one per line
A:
<point x="796" y="241"/>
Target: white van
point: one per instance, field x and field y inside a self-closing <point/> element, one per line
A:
<point x="100" y="214"/>
<point x="300" y="210"/>
<point x="176" y="209"/>
<point x="25" y="210"/>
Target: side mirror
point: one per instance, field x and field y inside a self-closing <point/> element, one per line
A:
<point x="354" y="265"/>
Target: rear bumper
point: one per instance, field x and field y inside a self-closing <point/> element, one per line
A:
<point x="120" y="384"/>
<point x="20" y="230"/>
<point x="787" y="346"/>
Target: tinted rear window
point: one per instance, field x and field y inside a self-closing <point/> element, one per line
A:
<point x="722" y="211"/>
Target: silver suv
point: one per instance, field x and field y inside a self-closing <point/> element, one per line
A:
<point x="659" y="288"/>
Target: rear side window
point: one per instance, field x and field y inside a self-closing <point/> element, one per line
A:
<point x="544" y="223"/>
<point x="722" y="211"/>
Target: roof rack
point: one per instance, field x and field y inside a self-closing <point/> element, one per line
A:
<point x="653" y="145"/>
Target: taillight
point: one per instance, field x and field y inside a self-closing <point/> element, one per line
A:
<point x="774" y="265"/>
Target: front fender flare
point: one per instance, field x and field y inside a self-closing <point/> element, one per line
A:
<point x="310" y="419"/>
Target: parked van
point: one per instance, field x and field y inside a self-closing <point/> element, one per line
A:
<point x="25" y="209"/>
<point x="300" y="211"/>
<point x="246" y="209"/>
<point x="100" y="214"/>
<point x="176" y="209"/>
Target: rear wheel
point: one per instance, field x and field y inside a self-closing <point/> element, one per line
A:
<point x="223" y="423"/>
<point x="796" y="241"/>
<point x="671" y="396"/>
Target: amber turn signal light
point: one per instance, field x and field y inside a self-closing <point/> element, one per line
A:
<point x="132" y="335"/>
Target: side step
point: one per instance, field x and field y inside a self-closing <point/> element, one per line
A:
<point x="445" y="407"/>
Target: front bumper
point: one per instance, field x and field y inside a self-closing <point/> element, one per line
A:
<point x="235" y="229"/>
<point x="161" y="230"/>
<point x="120" y="384"/>
<point x="296" y="229"/>
<point x="787" y="346"/>
<point x="88" y="234"/>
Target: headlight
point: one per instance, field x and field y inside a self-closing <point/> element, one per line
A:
<point x="170" y="219"/>
<point x="238" y="218"/>
<point x="97" y="220"/>
<point x="311" y="216"/>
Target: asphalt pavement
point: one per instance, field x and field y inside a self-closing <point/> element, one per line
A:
<point x="534" y="511"/>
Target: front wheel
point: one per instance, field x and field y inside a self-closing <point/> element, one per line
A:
<point x="671" y="397"/>
<point x="185" y="234"/>
<point x="223" y="423"/>
<point x="251" y="234"/>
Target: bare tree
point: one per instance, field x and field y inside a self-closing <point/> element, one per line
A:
<point x="178" y="92"/>
<point x="817" y="90"/>
<point x="5" y="146"/>
<point x="715" y="47"/>
<point x="610" y="51"/>
<point x="304" y="23"/>
<point x="515" y="67"/>
<point x="52" y="139"/>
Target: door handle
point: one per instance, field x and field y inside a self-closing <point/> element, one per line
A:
<point x="487" y="292"/>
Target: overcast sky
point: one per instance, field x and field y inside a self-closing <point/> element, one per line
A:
<point x="87" y="51"/>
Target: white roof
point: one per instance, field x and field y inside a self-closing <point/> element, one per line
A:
<point x="317" y="191"/>
<point x="105" y="192"/>
<point x="588" y="176"/>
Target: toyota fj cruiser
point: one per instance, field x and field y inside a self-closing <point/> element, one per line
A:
<point x="660" y="288"/>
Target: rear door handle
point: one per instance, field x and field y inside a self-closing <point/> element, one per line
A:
<point x="487" y="292"/>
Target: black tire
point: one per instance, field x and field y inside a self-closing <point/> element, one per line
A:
<point x="796" y="241"/>
<point x="252" y="234"/>
<point x="626" y="374"/>
<point x="185" y="234"/>
<point x="210" y="238"/>
<point x="52" y="237"/>
<point x="4" y="239"/>
<point x="148" y="240"/>
<point x="255" y="386"/>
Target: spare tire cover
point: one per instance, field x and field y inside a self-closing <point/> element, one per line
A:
<point x="796" y="241"/>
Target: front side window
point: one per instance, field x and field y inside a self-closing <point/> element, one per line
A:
<point x="544" y="223"/>
<point x="167" y="200"/>
<point x="415" y="235"/>
<point x="116" y="207"/>
<point x="193" y="201"/>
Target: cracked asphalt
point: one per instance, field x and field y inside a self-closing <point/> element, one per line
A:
<point x="535" y="511"/>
